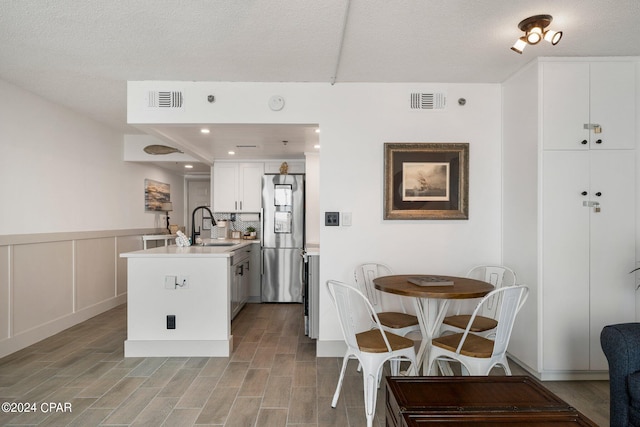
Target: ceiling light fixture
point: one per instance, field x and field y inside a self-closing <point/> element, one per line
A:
<point x="534" y="31"/>
<point x="188" y="166"/>
<point x="204" y="130"/>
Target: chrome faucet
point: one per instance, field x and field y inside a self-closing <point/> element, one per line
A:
<point x="194" y="234"/>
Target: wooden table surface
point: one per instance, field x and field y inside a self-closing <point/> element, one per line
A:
<point x="462" y="287"/>
<point x="476" y="401"/>
<point x="431" y="302"/>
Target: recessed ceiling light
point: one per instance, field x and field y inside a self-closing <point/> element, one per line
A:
<point x="188" y="166"/>
<point x="232" y="153"/>
<point x="204" y="130"/>
<point x="316" y="146"/>
<point x="317" y="130"/>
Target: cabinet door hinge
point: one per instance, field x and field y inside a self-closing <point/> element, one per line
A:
<point x="596" y="128"/>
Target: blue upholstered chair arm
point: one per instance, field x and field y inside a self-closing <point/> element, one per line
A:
<point x="621" y="346"/>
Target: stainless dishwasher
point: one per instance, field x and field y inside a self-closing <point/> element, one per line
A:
<point x="311" y="294"/>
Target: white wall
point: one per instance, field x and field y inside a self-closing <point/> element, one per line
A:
<point x="356" y="120"/>
<point x="68" y="206"/>
<point x="62" y="172"/>
<point x="312" y="198"/>
<point x="520" y="204"/>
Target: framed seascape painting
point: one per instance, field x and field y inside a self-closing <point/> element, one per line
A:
<point x="426" y="180"/>
<point x="155" y="194"/>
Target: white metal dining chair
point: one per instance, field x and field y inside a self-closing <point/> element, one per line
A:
<point x="390" y="309"/>
<point x="478" y="355"/>
<point x="486" y="321"/>
<point x="371" y="347"/>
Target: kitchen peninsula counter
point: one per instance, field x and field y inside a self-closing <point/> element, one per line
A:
<point x="173" y="251"/>
<point x="179" y="299"/>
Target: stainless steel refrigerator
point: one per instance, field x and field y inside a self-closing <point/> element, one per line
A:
<point x="282" y="238"/>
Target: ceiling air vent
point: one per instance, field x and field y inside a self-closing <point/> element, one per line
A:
<point x="165" y="99"/>
<point x="428" y="101"/>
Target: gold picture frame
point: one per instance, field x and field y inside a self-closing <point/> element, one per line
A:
<point x="426" y="181"/>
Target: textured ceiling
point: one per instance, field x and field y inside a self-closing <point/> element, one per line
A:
<point x="81" y="53"/>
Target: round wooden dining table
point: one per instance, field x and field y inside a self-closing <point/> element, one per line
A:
<point x="431" y="302"/>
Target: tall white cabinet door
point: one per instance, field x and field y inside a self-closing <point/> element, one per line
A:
<point x="251" y="187"/>
<point x="612" y="104"/>
<point x="225" y="187"/>
<point x="565" y="252"/>
<point x="565" y="105"/>
<point x="612" y="244"/>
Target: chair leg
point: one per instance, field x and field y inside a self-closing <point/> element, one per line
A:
<point x="465" y="371"/>
<point x="370" y="380"/>
<point x="336" y="395"/>
<point x="445" y="368"/>
<point x="395" y="367"/>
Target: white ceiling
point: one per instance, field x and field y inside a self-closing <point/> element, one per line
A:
<point x="80" y="54"/>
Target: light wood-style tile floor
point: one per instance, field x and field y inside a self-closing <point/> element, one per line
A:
<point x="272" y="379"/>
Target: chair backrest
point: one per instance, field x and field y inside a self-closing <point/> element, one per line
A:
<point x="364" y="274"/>
<point x="512" y="298"/>
<point x="498" y="276"/>
<point x="355" y="312"/>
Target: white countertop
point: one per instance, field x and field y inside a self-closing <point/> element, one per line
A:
<point x="158" y="236"/>
<point x="198" y="251"/>
<point x="312" y="249"/>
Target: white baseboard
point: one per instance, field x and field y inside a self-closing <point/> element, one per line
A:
<point x="178" y="348"/>
<point x="330" y="348"/>
<point x="562" y="375"/>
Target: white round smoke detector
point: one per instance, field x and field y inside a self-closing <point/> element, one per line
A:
<point x="276" y="103"/>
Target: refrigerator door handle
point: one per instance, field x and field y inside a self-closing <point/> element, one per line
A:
<point x="261" y="243"/>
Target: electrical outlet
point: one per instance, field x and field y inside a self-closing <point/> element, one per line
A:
<point x="171" y="321"/>
<point x="232" y="217"/>
<point x="332" y="219"/>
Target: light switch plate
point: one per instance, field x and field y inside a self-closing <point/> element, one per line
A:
<point x="346" y="219"/>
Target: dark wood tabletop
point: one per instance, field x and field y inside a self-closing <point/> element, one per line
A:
<point x="462" y="287"/>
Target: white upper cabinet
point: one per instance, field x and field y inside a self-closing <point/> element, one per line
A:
<point x="237" y="187"/>
<point x="588" y="105"/>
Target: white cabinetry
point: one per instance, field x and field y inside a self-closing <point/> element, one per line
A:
<point x="237" y="187"/>
<point x="240" y="279"/>
<point x="588" y="105"/>
<point x="569" y="210"/>
<point x="587" y="253"/>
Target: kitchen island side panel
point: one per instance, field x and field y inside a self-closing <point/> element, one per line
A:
<point x="201" y="308"/>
